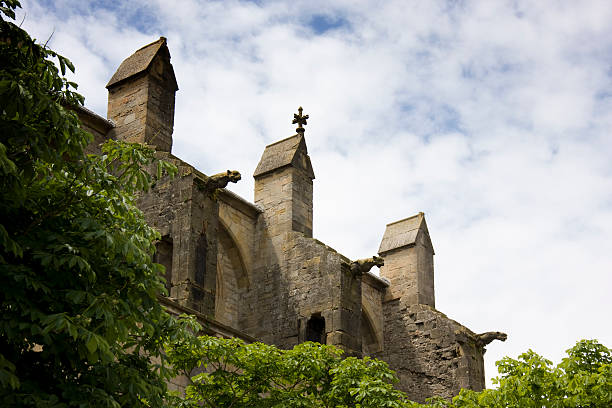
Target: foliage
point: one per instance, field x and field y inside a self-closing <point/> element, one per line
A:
<point x="80" y="324"/>
<point x="582" y="379"/>
<point x="230" y="373"/>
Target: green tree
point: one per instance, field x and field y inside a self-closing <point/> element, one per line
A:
<point x="80" y="324"/>
<point x="230" y="373"/>
<point x="582" y="379"/>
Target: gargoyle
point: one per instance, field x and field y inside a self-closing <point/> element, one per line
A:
<point x="364" y="265"/>
<point x="221" y="180"/>
<point x="485" y="338"/>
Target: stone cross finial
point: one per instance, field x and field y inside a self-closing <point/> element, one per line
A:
<point x="300" y="120"/>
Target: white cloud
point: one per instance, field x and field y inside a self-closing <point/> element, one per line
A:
<point x="491" y="117"/>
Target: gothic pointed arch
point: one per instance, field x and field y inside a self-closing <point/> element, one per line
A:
<point x="371" y="340"/>
<point x="232" y="279"/>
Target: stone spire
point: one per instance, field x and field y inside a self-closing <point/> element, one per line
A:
<point x="283" y="183"/>
<point x="408" y="253"/>
<point x="141" y="97"/>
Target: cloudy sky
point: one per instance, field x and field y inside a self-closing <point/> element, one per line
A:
<point x="491" y="117"/>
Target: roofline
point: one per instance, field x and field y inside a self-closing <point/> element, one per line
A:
<point x="151" y="43"/>
<point x="225" y="194"/>
<point x="109" y="124"/>
<point x="164" y="43"/>
<point x="420" y="214"/>
<point x="281" y="141"/>
<point x="229" y="197"/>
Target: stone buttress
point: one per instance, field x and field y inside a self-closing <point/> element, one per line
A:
<point x="432" y="354"/>
<point x="305" y="289"/>
<point x="141" y="97"/>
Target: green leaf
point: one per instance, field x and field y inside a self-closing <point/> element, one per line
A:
<point x="92" y="344"/>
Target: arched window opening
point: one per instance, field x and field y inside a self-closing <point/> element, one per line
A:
<point x="315" y="329"/>
<point x="163" y="256"/>
<point x="201" y="249"/>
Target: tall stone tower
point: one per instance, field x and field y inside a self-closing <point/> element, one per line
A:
<point x="141" y="104"/>
<point x="283" y="185"/>
<point x="408" y="253"/>
<point x="141" y="97"/>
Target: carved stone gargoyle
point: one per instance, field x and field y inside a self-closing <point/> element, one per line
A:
<point x="362" y="266"/>
<point x="220" y="180"/>
<point x="485" y="338"/>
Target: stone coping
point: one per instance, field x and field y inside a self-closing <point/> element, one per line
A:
<point x="377" y="282"/>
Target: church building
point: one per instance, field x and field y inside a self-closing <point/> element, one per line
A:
<point x="253" y="270"/>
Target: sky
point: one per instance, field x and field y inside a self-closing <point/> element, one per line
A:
<point x="491" y="117"/>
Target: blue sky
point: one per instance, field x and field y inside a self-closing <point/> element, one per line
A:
<point x="322" y="23"/>
<point x="492" y="117"/>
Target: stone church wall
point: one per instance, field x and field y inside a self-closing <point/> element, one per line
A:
<point x="254" y="271"/>
<point x="186" y="218"/>
<point x="293" y="282"/>
<point x="432" y="354"/>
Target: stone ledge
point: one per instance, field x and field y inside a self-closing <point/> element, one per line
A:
<point x="211" y="326"/>
<point x="234" y="200"/>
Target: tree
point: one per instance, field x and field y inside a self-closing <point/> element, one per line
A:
<point x="582" y="379"/>
<point x="230" y="373"/>
<point x="80" y="323"/>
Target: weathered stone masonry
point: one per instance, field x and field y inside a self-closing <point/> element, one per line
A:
<point x="254" y="270"/>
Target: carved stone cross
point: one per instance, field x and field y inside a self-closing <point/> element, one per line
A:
<point x="300" y="120"/>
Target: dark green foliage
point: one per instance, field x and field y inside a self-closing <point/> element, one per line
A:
<point x="312" y="375"/>
<point x="258" y="375"/>
<point x="80" y="324"/>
